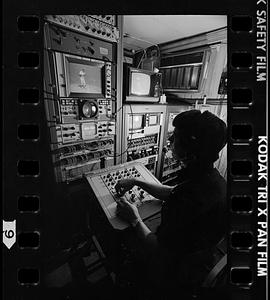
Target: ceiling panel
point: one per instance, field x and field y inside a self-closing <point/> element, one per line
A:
<point x="140" y="31"/>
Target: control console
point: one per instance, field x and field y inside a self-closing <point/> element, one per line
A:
<point x="169" y="164"/>
<point x="103" y="184"/>
<point x="143" y="134"/>
<point x="80" y="93"/>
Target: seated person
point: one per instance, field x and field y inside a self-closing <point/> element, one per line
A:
<point x="193" y="218"/>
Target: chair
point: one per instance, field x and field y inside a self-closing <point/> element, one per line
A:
<point x="214" y="285"/>
<point x="214" y="274"/>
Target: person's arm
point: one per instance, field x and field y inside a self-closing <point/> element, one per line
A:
<point x="157" y="190"/>
<point x="129" y="213"/>
<point x="146" y="235"/>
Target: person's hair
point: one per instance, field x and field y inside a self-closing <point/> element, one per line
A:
<point x="201" y="134"/>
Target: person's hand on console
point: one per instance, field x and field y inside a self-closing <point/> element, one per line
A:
<point x="124" y="185"/>
<point x="128" y="212"/>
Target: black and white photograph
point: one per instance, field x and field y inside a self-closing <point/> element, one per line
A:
<point x="135" y="150"/>
<point x="136" y="114"/>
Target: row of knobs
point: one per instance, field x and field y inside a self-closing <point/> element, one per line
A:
<point x="84" y="157"/>
<point x="98" y="31"/>
<point x="67" y="21"/>
<point x="104" y="18"/>
<point x="141" y="141"/>
<point x="74" y="23"/>
<point x="87" y="23"/>
<point x="110" y="178"/>
<point x="75" y="148"/>
<point x="143" y="153"/>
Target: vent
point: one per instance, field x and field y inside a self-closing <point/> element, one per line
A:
<point x="182" y="72"/>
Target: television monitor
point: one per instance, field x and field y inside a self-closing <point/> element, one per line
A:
<point x="153" y="120"/>
<point x="84" y="77"/>
<point x="141" y="85"/>
<point x="89" y="130"/>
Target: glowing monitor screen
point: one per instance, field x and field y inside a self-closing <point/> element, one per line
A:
<point x="153" y="120"/>
<point x="140" y="84"/>
<point x="89" y="130"/>
<point x="84" y="78"/>
<point x="135" y="122"/>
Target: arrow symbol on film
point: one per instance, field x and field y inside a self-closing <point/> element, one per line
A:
<point x="9" y="233"/>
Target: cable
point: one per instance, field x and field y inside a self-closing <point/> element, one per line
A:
<point x="144" y="53"/>
<point x="50" y="99"/>
<point x="117" y="110"/>
<point x="44" y="91"/>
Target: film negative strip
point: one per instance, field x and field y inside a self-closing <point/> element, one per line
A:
<point x="55" y="134"/>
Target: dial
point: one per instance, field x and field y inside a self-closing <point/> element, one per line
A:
<point x="89" y="109"/>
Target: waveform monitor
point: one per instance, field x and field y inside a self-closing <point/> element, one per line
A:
<point x="103" y="184"/>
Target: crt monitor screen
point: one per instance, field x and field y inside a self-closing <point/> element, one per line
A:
<point x="83" y="77"/>
<point x="135" y="122"/>
<point x="153" y="120"/>
<point x="140" y="84"/>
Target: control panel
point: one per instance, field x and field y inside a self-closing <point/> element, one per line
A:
<point x="68" y="133"/>
<point x="169" y="165"/>
<point x="79" y="94"/>
<point x="82" y="110"/>
<point x="75" y="160"/>
<point x="94" y="26"/>
<point x="103" y="184"/>
<point x="61" y="39"/>
<point x="143" y="131"/>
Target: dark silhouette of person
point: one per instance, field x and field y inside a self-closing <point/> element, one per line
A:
<point x="193" y="220"/>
